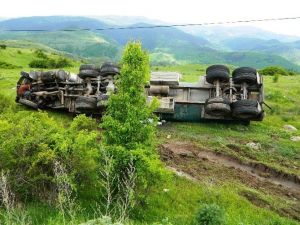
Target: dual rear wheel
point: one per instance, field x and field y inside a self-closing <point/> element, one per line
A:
<point x="93" y="71"/>
<point x="220" y="106"/>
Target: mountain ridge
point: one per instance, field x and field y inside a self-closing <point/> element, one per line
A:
<point x="169" y="43"/>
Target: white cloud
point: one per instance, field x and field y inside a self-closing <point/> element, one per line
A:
<point x="172" y="11"/>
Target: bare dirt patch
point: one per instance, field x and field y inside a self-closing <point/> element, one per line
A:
<point x="202" y="165"/>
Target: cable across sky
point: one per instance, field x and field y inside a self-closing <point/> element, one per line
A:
<point x="155" y="26"/>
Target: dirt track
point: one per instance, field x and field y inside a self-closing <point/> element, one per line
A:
<point x="197" y="164"/>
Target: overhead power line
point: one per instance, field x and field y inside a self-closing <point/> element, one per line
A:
<point x="157" y="26"/>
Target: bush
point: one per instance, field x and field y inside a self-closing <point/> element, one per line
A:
<point x="276" y="78"/>
<point x="49" y="63"/>
<point x="42" y="63"/>
<point x="63" y="62"/>
<point x="2" y="46"/>
<point x="292" y="72"/>
<point x="40" y="54"/>
<point x="5" y="65"/>
<point x="272" y="70"/>
<point x="30" y="144"/>
<point x="210" y="214"/>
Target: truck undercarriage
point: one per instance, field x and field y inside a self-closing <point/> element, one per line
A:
<point x="216" y="96"/>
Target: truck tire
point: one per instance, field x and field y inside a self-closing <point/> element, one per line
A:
<point x="25" y="75"/>
<point x="84" y="103"/>
<point x="33" y="75"/>
<point x="217" y="106"/>
<point x="217" y="72"/>
<point x="261" y="116"/>
<point x="87" y="67"/>
<point x="61" y="75"/>
<point x="48" y="76"/>
<point x="88" y="74"/>
<point x="109" y="68"/>
<point x="245" y="109"/>
<point x="244" y="75"/>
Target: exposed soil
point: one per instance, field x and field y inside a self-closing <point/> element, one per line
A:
<point x="194" y="163"/>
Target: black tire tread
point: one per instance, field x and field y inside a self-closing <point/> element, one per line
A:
<point x="245" y="109"/>
<point x="88" y="74"/>
<point x="87" y="67"/>
<point x="217" y="72"/>
<point x="217" y="106"/>
<point x="85" y="103"/>
<point x="244" y="74"/>
<point x="109" y="68"/>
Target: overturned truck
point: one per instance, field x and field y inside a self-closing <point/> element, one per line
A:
<point x="216" y="96"/>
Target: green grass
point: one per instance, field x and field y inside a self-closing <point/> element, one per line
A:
<point x="179" y="205"/>
<point x="182" y="200"/>
<point x="190" y="72"/>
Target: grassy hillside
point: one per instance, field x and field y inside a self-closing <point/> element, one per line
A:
<point x="81" y="43"/>
<point x="245" y="199"/>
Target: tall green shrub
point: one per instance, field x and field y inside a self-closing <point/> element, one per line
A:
<point x="129" y="123"/>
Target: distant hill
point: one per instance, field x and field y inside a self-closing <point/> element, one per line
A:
<point x="156" y="38"/>
<point x="166" y="45"/>
<point x="126" y="20"/>
<point x="81" y="43"/>
<point x="288" y="50"/>
<point x="218" y="33"/>
<point x="51" y="23"/>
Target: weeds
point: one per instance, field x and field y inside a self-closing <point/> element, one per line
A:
<point x="117" y="189"/>
<point x="7" y="197"/>
<point x="107" y="181"/>
<point x="66" y="202"/>
<point x="11" y="215"/>
<point x="127" y="184"/>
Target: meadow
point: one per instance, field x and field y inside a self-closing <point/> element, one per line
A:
<point x="177" y="199"/>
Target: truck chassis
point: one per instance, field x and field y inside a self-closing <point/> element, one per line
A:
<point x="217" y="95"/>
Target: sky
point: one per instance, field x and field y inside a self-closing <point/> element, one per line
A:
<point x="171" y="11"/>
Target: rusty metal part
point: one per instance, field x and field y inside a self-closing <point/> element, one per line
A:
<point x="159" y="90"/>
